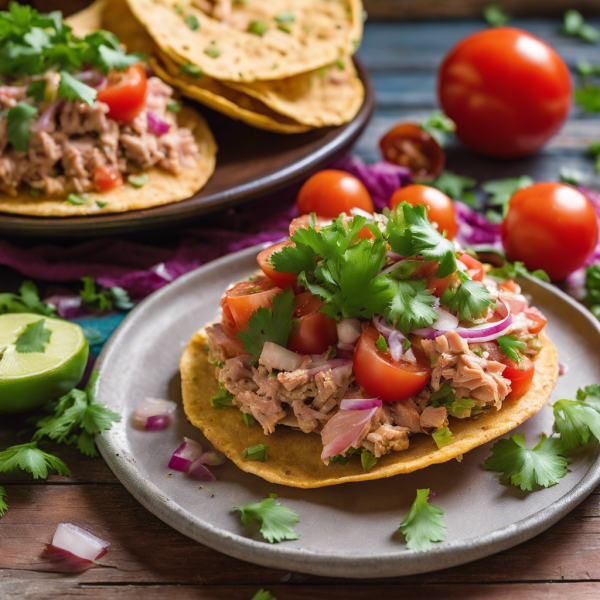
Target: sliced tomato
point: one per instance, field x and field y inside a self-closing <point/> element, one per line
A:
<point x="247" y="297"/>
<point x="474" y="267"/>
<point x="381" y="376"/>
<point x="538" y="319"/>
<point x="281" y="280"/>
<point x="125" y="93"/>
<point x="520" y="376"/>
<point x="107" y="177"/>
<point x="315" y="332"/>
<point x="303" y="221"/>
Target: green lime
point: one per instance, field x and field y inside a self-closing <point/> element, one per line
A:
<point x="46" y="368"/>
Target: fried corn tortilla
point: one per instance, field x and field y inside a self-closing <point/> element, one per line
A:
<point x="255" y="40"/>
<point x="294" y="456"/>
<point x="87" y="20"/>
<point x="162" y="187"/>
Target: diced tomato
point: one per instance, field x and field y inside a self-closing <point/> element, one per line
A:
<point x="381" y="376"/>
<point x="316" y="332"/>
<point x="125" y="93"/>
<point x="474" y="267"/>
<point x="509" y="286"/>
<point x="281" y="280"/>
<point x="107" y="177"/>
<point x="538" y="319"/>
<point x="520" y="378"/>
<point x="247" y="297"/>
<point x="302" y="222"/>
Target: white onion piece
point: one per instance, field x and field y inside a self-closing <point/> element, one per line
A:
<point x="212" y="458"/>
<point x="360" y="403"/>
<point x="349" y="330"/>
<point x="446" y="320"/>
<point x="395" y="344"/>
<point x="409" y="356"/>
<point x="277" y="357"/>
<point x="79" y="542"/>
<point x="154" y="413"/>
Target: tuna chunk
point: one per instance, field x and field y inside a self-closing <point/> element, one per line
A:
<point x="433" y="418"/>
<point x="405" y="414"/>
<point x="266" y="411"/>
<point x="308" y="419"/>
<point x="387" y="438"/>
<point x="221" y="345"/>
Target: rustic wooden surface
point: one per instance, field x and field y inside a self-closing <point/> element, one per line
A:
<point x="148" y="559"/>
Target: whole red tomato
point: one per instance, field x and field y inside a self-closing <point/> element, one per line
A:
<point x="550" y="226"/>
<point x="330" y="192"/>
<point x="507" y="91"/>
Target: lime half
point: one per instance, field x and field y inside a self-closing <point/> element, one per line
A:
<point x="30" y="378"/>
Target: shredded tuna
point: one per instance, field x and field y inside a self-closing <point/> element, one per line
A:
<point x="387" y="438"/>
<point x="267" y="411"/>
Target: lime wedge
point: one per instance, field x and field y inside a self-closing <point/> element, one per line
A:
<point x="28" y="379"/>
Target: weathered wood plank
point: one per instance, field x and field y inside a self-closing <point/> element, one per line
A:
<point x="145" y="550"/>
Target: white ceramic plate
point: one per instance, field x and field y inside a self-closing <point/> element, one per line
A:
<point x="348" y="530"/>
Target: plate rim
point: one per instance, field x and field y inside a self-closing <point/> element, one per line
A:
<point x="284" y="556"/>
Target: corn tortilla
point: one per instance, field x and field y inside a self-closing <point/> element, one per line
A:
<point x="318" y="33"/>
<point x="162" y="186"/>
<point x="294" y="456"/>
<point x="87" y="20"/>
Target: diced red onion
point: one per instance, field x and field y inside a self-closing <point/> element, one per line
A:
<point x="384" y="328"/>
<point x="394" y="256"/>
<point x="213" y="458"/>
<point x="395" y="344"/>
<point x="349" y="330"/>
<point x="343" y="430"/>
<point x="79" y="542"/>
<point x="153" y="414"/>
<point x="156" y="125"/>
<point x="48" y="115"/>
<point x="330" y="364"/>
<point x="182" y="459"/>
<point x="360" y="403"/>
<point x="562" y="368"/>
<point x="345" y="350"/>
<point x="199" y="471"/>
<point x="277" y="357"/>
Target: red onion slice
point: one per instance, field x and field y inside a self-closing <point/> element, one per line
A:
<point x="185" y="455"/>
<point x="199" y="471"/>
<point x="345" y="350"/>
<point x="156" y="125"/>
<point x="79" y="542"/>
<point x="154" y="414"/>
<point x="360" y="403"/>
<point x="343" y="430"/>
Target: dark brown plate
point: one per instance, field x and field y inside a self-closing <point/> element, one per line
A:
<point x="250" y="163"/>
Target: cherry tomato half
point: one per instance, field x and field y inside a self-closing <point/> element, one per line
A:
<point x="440" y="209"/>
<point x="281" y="280"/>
<point x="247" y="297"/>
<point x="550" y="226"/>
<point x="474" y="267"/>
<point x="329" y="193"/>
<point x="507" y="91"/>
<point x="520" y="378"/>
<point x="125" y="93"/>
<point x="381" y="376"/>
<point x="107" y="177"/>
<point x="409" y="145"/>
<point x="316" y="332"/>
<point x="227" y="321"/>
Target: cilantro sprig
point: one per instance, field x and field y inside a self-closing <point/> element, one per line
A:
<point x="575" y="26"/>
<point x="424" y="524"/>
<point x="576" y="421"/>
<point x="34" y="338"/>
<point x="276" y="521"/>
<point x="105" y="299"/>
<point x="496" y="16"/>
<point x="439" y="126"/>
<point x="30" y="458"/>
<point x="457" y="187"/>
<point x="26" y="301"/>
<point x="513" y="270"/>
<point x="502" y="190"/>
<point x="470" y="299"/>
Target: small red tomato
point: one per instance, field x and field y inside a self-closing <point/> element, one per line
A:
<point x="247" y="297"/>
<point x="550" y="226"/>
<point x="281" y="280"/>
<point x="520" y="376"/>
<point x="409" y="145"/>
<point x="329" y="193"/>
<point x="107" y="177"/>
<point x="316" y="332"/>
<point x="440" y="209"/>
<point x="125" y="93"/>
<point x="507" y="91"/>
<point x="537" y="318"/>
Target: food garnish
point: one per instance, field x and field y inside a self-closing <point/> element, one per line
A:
<point x="578" y="420"/>
<point x="424" y="524"/>
<point x="26" y="301"/>
<point x="502" y="190"/>
<point x="259" y="452"/>
<point x="30" y="458"/>
<point x="263" y="595"/>
<point x="575" y="26"/>
<point x="496" y="16"/>
<point x="79" y="542"/>
<point x="456" y="186"/>
<point x="105" y="299"/>
<point x="276" y="521"/>
<point x="34" y="338"/>
<point x="154" y="414"/>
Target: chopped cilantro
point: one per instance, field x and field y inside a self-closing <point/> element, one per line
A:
<point x="446" y="398"/>
<point x="406" y="344"/>
<point x="192" y="22"/>
<point x="544" y="465"/>
<point x="470" y="300"/>
<point x="18" y="126"/>
<point x="179" y="8"/>
<point x="72" y="89"/>
<point x="101" y="203"/>
<point x="382" y="344"/>
<point x="193" y="70"/>
<point x="37" y="90"/>
<point x="276" y="521"/>
<point x="110" y="58"/>
<point x="3" y="505"/>
<point x="512" y="270"/>
<point x="263" y="595"/>
<point x="339" y="63"/>
<point x="26" y="301"/>
<point x="258" y="28"/>
<point x="285" y="17"/>
<point x="513" y="348"/>
<point x="212" y="52"/>
<point x="34" y="193"/>
<point x="442" y="437"/>
<point x="367" y="460"/>
<point x="34" y="338"/>
<point x="586" y="68"/>
<point x="138" y="181"/>
<point x="438" y="126"/>
<point x="174" y="107"/>
<point x="260" y="453"/>
<point x="29" y="458"/>
<point x="502" y="190"/>
<point x="270" y="325"/>
<point x="322" y="73"/>
<point x="223" y="398"/>
<point x="424" y="524"/>
<point x="78" y="199"/>
<point x="496" y="16"/>
<point x="575" y="26"/>
<point x="588" y="97"/>
<point x="249" y="420"/>
<point x="455" y="186"/>
<point x="576" y="420"/>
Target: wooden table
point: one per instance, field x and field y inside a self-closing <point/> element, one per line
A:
<point x="148" y="559"/>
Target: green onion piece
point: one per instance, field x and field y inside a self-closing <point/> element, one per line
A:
<point x="249" y="420"/>
<point x="260" y="452"/>
<point x="190" y="69"/>
<point x="339" y="63"/>
<point x="285" y="17"/>
<point x="192" y="22"/>
<point x="258" y="28"/>
<point x="78" y="199"/>
<point x="174" y="107"/>
<point x="212" y="52"/>
<point x="284" y="28"/>
<point x="138" y="181"/>
<point x="102" y="204"/>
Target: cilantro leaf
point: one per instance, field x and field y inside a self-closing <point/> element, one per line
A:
<point x="513" y="270"/>
<point x="512" y="347"/>
<point x="106" y="299"/>
<point x="18" y="126"/>
<point x="3" y="505"/>
<point x="109" y="58"/>
<point x="367" y="460"/>
<point x="411" y="305"/>
<point x="544" y="465"/>
<point x="470" y="300"/>
<point x="502" y="190"/>
<point x="420" y="238"/>
<point x="270" y="325"/>
<point x="442" y="437"/>
<point x="72" y="89"/>
<point x="222" y="397"/>
<point x="575" y="26"/>
<point x="424" y="524"/>
<point x="438" y="126"/>
<point x="455" y="186"/>
<point x="263" y="595"/>
<point x="28" y="457"/>
<point x="576" y="420"/>
<point x="27" y="301"/>
<point x="446" y="398"/>
<point x="34" y="338"/>
<point x="496" y="16"/>
<point x="294" y="259"/>
<point x="276" y="521"/>
<point x="570" y="175"/>
<point x="588" y="97"/>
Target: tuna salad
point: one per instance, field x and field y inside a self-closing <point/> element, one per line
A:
<point x="80" y="115"/>
<point x="369" y="330"/>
